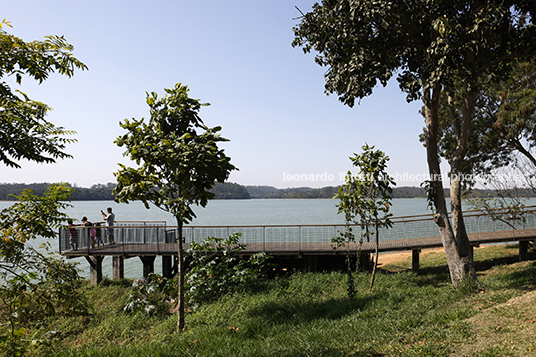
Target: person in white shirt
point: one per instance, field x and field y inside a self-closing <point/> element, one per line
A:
<point x="109" y="218"/>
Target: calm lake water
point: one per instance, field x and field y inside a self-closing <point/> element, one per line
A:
<point x="223" y="213"/>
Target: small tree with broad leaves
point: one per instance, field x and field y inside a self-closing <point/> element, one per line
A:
<point x="365" y="199"/>
<point x="178" y="163"/>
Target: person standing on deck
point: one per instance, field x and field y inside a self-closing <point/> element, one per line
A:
<point x="73" y="239"/>
<point x="109" y="218"/>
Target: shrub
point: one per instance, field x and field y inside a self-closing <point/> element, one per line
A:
<point x="215" y="270"/>
<point x="151" y="296"/>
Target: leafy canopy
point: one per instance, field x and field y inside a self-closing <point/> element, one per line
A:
<point x="24" y="132"/>
<point x="423" y="42"/>
<point x="365" y="198"/>
<point x="178" y="157"/>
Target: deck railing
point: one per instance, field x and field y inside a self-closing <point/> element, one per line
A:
<point x="301" y="237"/>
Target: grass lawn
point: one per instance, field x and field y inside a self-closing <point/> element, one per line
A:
<point x="308" y="314"/>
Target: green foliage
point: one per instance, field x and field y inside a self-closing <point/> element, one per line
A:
<point x="215" y="269"/>
<point x="308" y="314"/>
<point x="434" y="48"/>
<point x="178" y="157"/>
<point x="230" y="190"/>
<point x="366" y="42"/>
<point x="35" y="283"/>
<point x="151" y="296"/>
<point x="365" y="200"/>
<point x="24" y="132"/>
<point x="430" y="188"/>
<point x="503" y="123"/>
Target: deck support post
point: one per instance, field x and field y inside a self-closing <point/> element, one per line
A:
<point x="175" y="267"/>
<point x="523" y="250"/>
<point x="167" y="270"/>
<point x="472" y="252"/>
<point x="310" y="263"/>
<point x="148" y="264"/>
<point x="95" y="268"/>
<point x="415" y="259"/>
<point x="364" y="261"/>
<point x="118" y="267"/>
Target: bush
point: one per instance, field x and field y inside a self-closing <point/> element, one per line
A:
<point x="151" y="296"/>
<point x="215" y="270"/>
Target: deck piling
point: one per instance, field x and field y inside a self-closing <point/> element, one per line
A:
<point x="415" y="259"/>
<point x="167" y="268"/>
<point x="148" y="264"/>
<point x="118" y="267"/>
<point x="95" y="268"/>
<point x="523" y="250"/>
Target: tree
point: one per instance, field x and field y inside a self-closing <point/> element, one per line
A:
<point x="434" y="47"/>
<point x="365" y="199"/>
<point x="179" y="162"/>
<point x="512" y="112"/>
<point x="34" y="284"/>
<point x="501" y="141"/>
<point x="503" y="124"/>
<point x="24" y="132"/>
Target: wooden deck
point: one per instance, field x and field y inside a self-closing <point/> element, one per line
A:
<point x="309" y="245"/>
<point x="148" y="249"/>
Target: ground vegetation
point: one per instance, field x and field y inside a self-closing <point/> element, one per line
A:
<point x="309" y="314"/>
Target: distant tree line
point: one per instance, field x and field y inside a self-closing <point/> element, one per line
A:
<point x="231" y="190"/>
<point x="324" y="192"/>
<point x="97" y="192"/>
<point x="103" y="192"/>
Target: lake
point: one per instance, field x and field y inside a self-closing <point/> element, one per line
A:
<point x="223" y="213"/>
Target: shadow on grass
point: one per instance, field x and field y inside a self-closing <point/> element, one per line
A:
<point x="480" y="265"/>
<point x="522" y="278"/>
<point x="285" y="312"/>
<point x="429" y="276"/>
<point x="125" y="283"/>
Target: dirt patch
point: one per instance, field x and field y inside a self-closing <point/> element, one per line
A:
<point x="397" y="257"/>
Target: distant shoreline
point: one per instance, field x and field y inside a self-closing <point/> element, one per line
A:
<point x="234" y="191"/>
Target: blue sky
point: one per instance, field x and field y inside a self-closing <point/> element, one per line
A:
<point x="236" y="55"/>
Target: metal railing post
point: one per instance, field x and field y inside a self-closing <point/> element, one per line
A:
<point x="59" y="235"/>
<point x="158" y="239"/>
<point x="144" y="226"/>
<point x="299" y="239"/>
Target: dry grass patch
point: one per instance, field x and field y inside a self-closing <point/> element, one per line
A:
<point x="507" y="329"/>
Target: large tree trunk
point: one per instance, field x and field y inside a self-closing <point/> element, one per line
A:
<point x="457" y="176"/>
<point x="180" y="323"/>
<point x="458" y="265"/>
